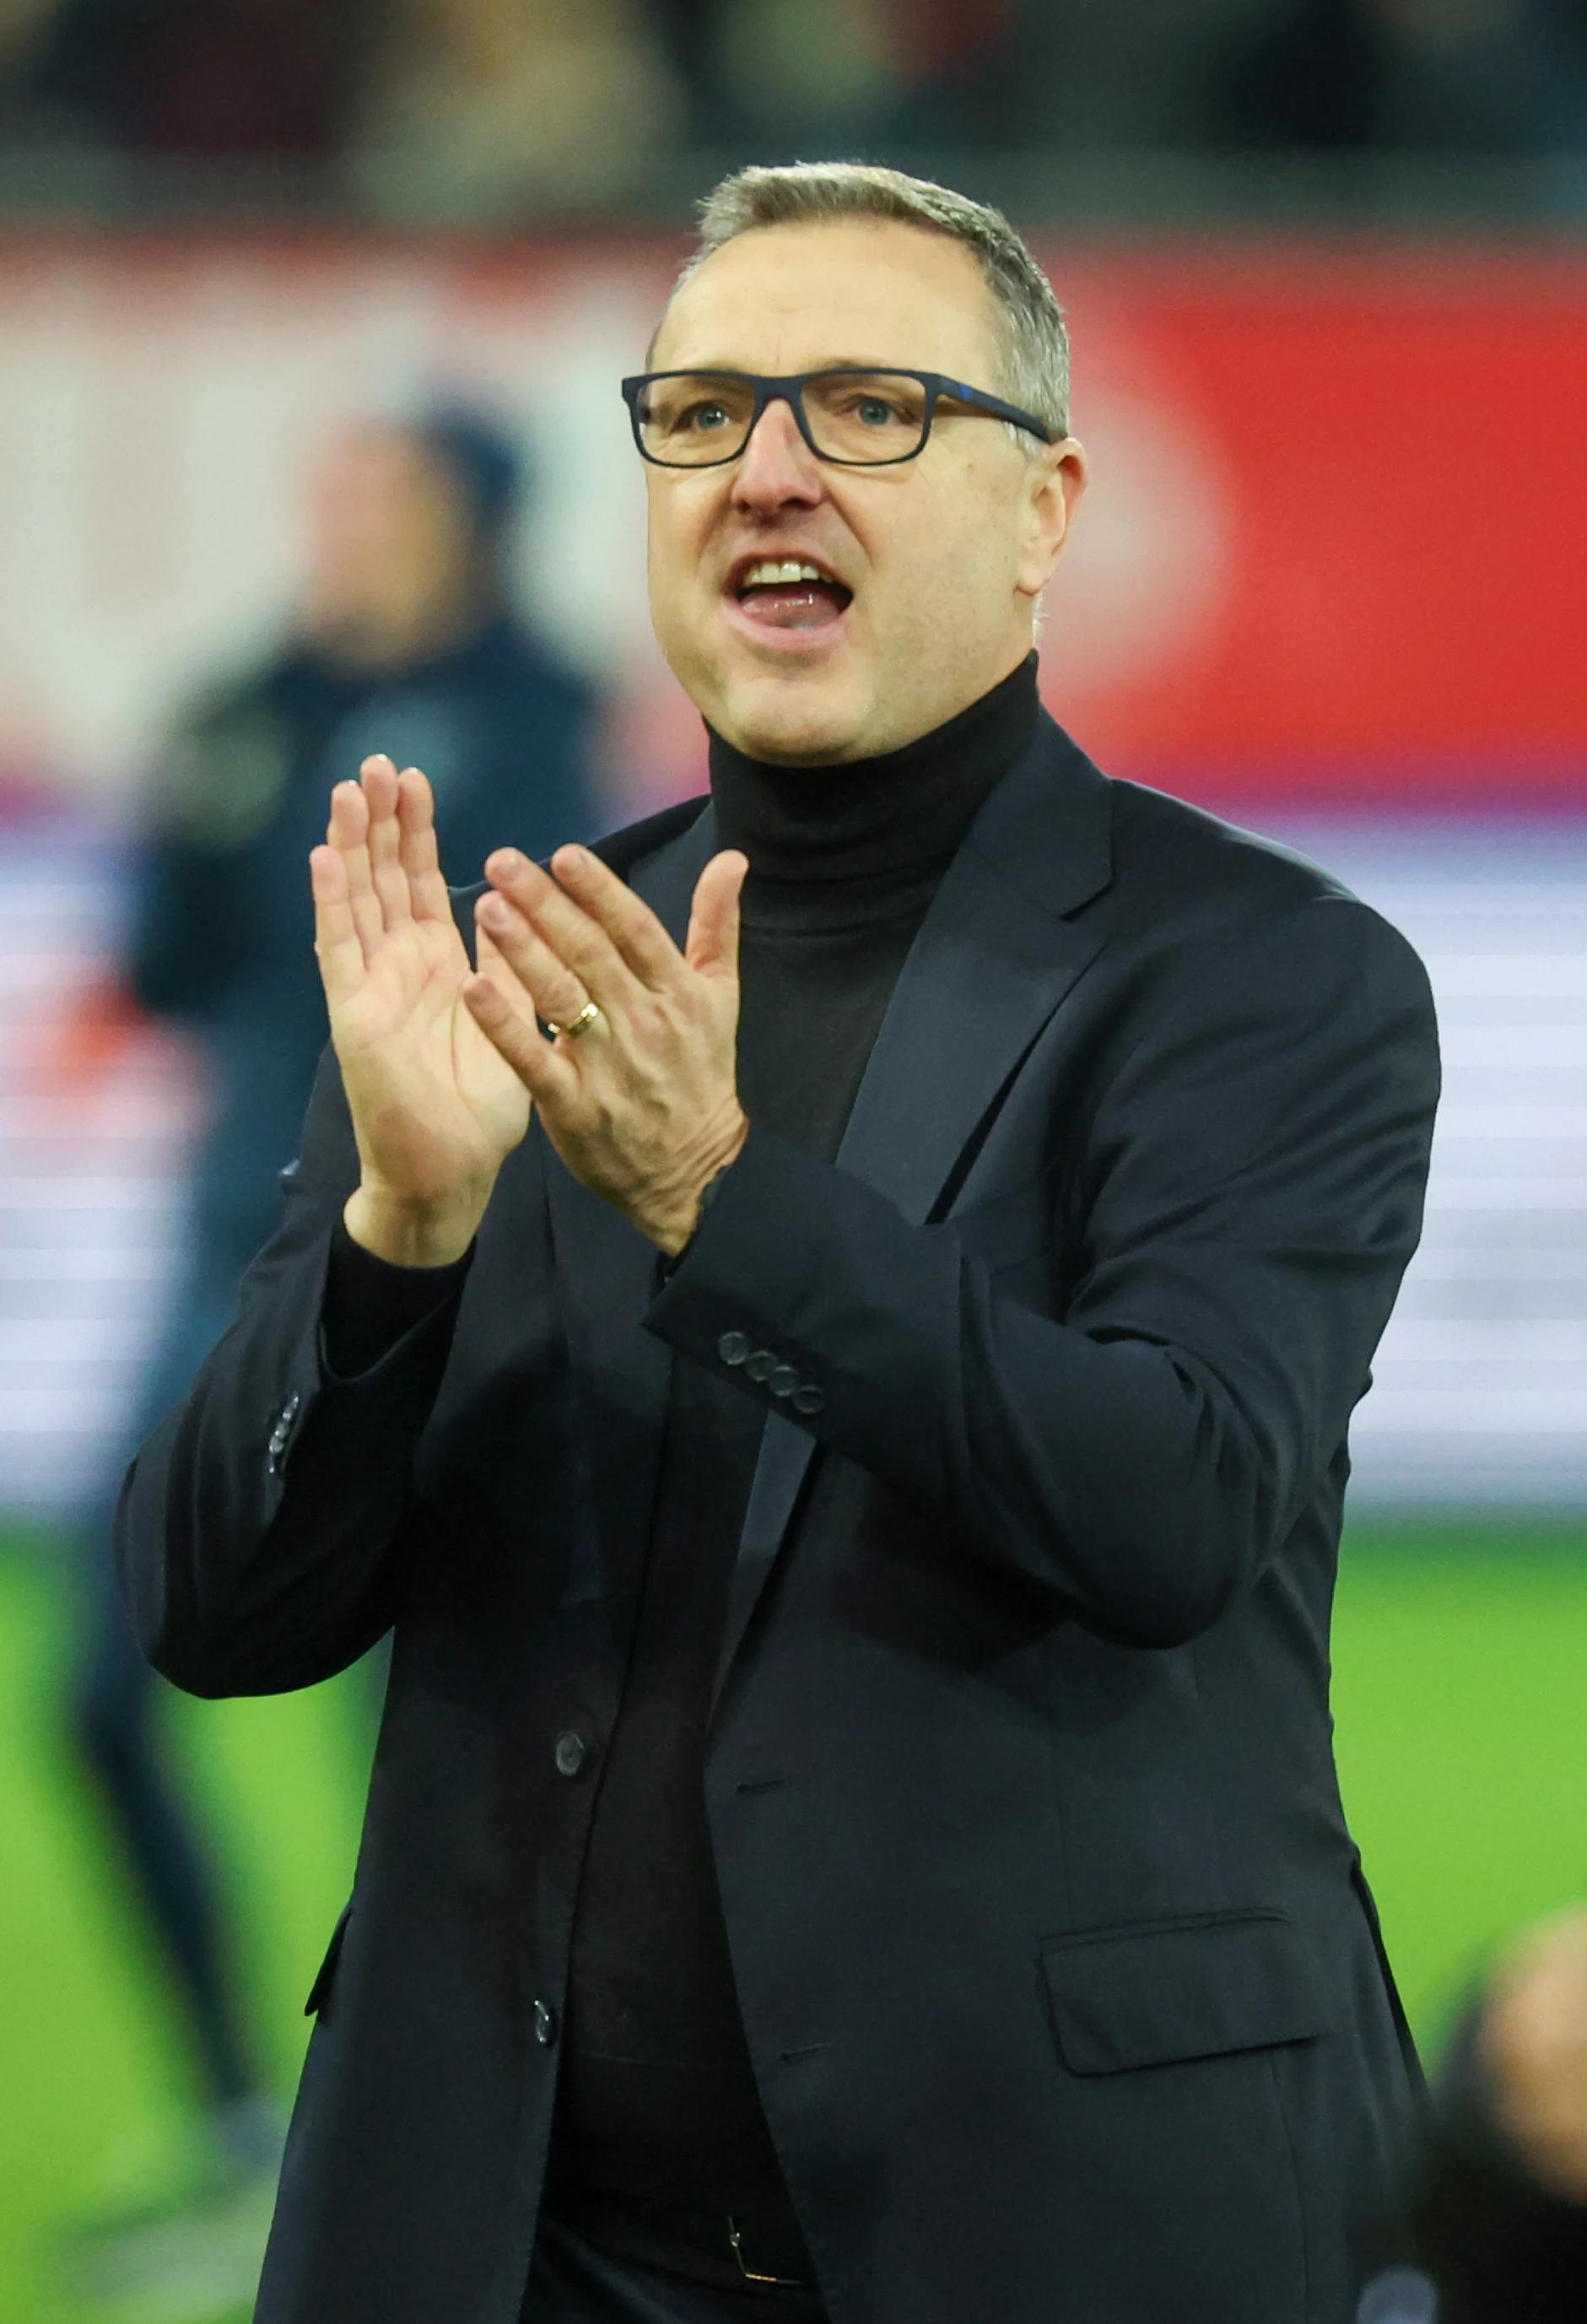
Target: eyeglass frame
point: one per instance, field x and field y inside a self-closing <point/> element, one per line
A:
<point x="790" y="390"/>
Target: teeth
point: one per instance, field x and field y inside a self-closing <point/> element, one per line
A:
<point x="770" y="575"/>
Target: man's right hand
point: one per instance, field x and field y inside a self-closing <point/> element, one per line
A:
<point x="435" y="1109"/>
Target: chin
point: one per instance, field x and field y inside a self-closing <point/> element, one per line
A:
<point x="805" y="721"/>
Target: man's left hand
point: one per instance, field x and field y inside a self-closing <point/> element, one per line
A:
<point x="643" y="1103"/>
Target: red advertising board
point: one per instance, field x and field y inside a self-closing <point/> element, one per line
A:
<point x="1335" y="546"/>
<point x="1391" y="460"/>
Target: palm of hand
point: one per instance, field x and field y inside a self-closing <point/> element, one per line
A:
<point x="436" y="1105"/>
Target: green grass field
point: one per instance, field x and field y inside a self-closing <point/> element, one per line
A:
<point x="1460" y="1696"/>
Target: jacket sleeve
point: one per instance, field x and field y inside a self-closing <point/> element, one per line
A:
<point x="1236" y="1219"/>
<point x="260" y="1530"/>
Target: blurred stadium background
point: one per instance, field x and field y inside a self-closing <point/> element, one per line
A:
<point x="1325" y="262"/>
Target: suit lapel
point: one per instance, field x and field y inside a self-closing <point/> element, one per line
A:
<point x="605" y="1270"/>
<point x="667" y="883"/>
<point x="995" y="958"/>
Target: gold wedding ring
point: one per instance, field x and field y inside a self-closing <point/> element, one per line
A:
<point x="576" y="1025"/>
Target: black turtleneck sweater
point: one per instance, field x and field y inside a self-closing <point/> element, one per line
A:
<point x="658" y="2096"/>
<point x="657" y="2101"/>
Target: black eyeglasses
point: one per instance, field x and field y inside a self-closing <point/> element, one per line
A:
<point x="858" y="418"/>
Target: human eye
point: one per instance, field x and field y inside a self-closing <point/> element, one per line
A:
<point x="706" y="417"/>
<point x="872" y="407"/>
<point x="871" y="404"/>
<point x="688" y="409"/>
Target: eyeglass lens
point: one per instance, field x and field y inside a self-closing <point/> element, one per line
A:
<point x="862" y="417"/>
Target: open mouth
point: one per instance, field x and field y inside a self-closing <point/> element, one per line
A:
<point x="789" y="592"/>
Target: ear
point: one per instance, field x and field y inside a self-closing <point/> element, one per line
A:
<point x="1054" y="482"/>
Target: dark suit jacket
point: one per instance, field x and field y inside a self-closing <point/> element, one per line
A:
<point x="1062" y="1986"/>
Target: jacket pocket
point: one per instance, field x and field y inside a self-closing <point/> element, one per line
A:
<point x="1164" y="1992"/>
<point x="325" y="1976"/>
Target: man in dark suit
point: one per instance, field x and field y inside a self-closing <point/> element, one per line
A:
<point x="855" y="1473"/>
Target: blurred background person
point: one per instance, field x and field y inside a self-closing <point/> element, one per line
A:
<point x="475" y="107"/>
<point x="1499" y="2213"/>
<point x="190" y="77"/>
<point x="404" y="641"/>
<point x="824" y="69"/>
<point x="1445" y="76"/>
<point x="1496" y="2216"/>
<point x="1181" y="76"/>
<point x="477" y="110"/>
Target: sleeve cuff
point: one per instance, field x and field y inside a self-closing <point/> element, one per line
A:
<point x="808" y="1290"/>
<point x="371" y="1307"/>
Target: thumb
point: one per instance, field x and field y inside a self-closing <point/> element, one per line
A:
<point x="712" y="922"/>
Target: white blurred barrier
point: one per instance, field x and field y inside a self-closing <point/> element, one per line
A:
<point x="1481" y="1391"/>
<point x="1482" y="1380"/>
<point x="92" y="1169"/>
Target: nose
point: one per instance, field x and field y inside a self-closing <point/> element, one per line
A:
<point x="776" y="467"/>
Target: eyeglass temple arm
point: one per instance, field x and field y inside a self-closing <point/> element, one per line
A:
<point x="978" y="401"/>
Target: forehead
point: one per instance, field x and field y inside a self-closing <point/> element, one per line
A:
<point x="784" y="299"/>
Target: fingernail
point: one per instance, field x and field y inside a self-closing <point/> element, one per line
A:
<point x="507" y="861"/>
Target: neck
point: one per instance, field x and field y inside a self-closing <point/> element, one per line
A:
<point x="904" y="811"/>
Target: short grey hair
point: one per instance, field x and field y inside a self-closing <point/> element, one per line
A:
<point x="1035" y="353"/>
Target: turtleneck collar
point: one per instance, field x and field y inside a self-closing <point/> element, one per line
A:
<point x="876" y="819"/>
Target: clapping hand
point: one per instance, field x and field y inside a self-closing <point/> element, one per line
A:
<point x="637" y="1090"/>
<point x="436" y="1108"/>
<point x="441" y="1064"/>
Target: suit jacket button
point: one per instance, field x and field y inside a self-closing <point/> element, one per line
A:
<point x="733" y="1348"/>
<point x="808" y="1401"/>
<point x="761" y="1365"/>
<point x="783" y="1380"/>
<point x="570" y="1752"/>
<point x="545" y="2024"/>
